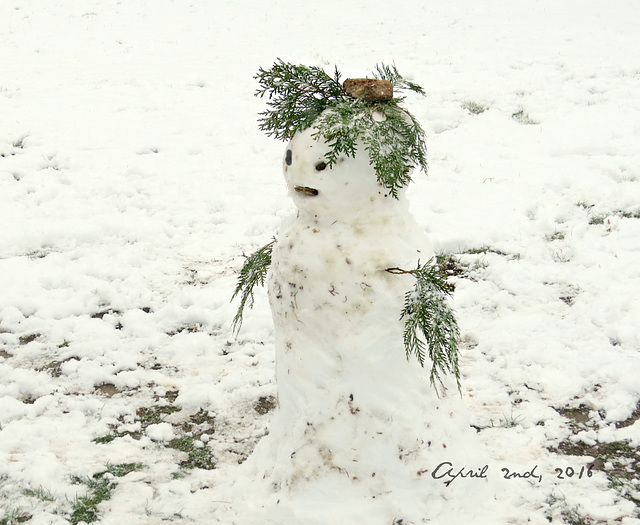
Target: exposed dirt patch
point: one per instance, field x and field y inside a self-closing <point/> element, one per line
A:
<point x="619" y="460"/>
<point x="631" y="420"/>
<point x="200" y="423"/>
<point x="189" y="329"/>
<point x="102" y="313"/>
<point x="107" y="390"/>
<point x="265" y="405"/>
<point x="169" y="395"/>
<point x="567" y="299"/>
<point x="55" y="367"/>
<point x="578" y="417"/>
<point x="28" y="338"/>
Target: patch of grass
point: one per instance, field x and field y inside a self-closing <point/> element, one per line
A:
<point x="569" y="514"/>
<point x="13" y="516"/>
<point x="510" y="421"/>
<point x="473" y="107"/>
<point x="85" y="508"/>
<point x="616" y="449"/>
<point x="198" y="455"/>
<point x="100" y="488"/>
<point x="41" y="493"/>
<point x="450" y="265"/>
<point x="597" y="219"/>
<point x="154" y="414"/>
<point x="122" y="469"/>
<point x="523" y="118"/>
<point x="453" y="266"/>
<point x="556" y="236"/>
<point x="484" y="250"/>
<point x="601" y="218"/>
<point x="628" y="214"/>
<point x="147" y="416"/>
<point x="624" y="476"/>
<point x="103" y="440"/>
<point x="38" y="254"/>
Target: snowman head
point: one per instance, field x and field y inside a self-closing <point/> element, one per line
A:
<point x="344" y="192"/>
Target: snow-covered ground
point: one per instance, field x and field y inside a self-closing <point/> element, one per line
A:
<point x="133" y="178"/>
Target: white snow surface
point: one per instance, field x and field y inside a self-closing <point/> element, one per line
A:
<point x="133" y="178"/>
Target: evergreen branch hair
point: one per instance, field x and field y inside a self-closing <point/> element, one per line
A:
<point x="254" y="271"/>
<point x="430" y="327"/>
<point x="299" y="95"/>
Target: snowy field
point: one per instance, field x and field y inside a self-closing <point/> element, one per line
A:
<point x="133" y="178"/>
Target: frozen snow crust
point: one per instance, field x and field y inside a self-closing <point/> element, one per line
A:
<point x="133" y="178"/>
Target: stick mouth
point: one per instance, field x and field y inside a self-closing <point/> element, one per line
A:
<point x="305" y="190"/>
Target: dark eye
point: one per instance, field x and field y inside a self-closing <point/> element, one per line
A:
<point x="320" y="166"/>
<point x="287" y="157"/>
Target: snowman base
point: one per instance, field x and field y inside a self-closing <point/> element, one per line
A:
<point x="359" y="430"/>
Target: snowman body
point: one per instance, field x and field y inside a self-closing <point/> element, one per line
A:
<point x="335" y="307"/>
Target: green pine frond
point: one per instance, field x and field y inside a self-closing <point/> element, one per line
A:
<point x="430" y="324"/>
<point x="396" y="146"/>
<point x="254" y="271"/>
<point x="297" y="95"/>
<point x="341" y="127"/>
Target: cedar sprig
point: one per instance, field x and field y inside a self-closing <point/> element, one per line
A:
<point x="253" y="272"/>
<point x="430" y="328"/>
<point x="297" y="95"/>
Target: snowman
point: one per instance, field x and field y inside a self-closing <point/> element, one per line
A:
<point x="358" y="425"/>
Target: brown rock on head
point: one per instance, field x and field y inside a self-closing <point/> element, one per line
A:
<point x="369" y="89"/>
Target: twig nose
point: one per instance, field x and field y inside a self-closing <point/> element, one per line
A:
<point x="306" y="190"/>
